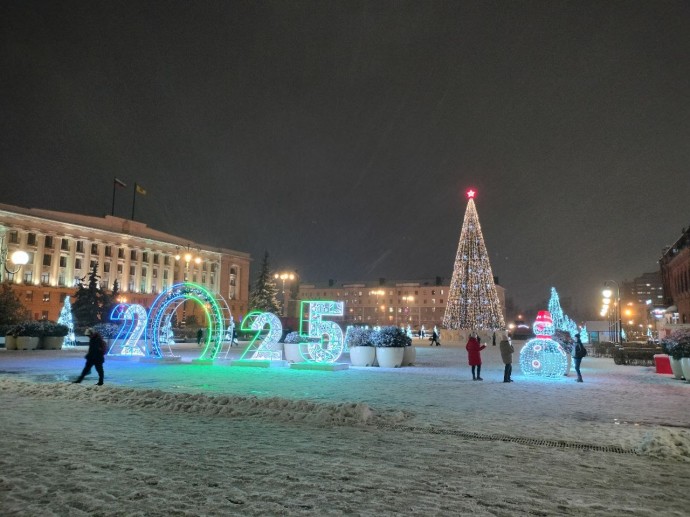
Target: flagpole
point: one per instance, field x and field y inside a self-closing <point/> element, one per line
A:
<point x="134" y="199"/>
<point x="112" y="212"/>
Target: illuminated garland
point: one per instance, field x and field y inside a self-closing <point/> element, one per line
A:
<point x="66" y="319"/>
<point x="213" y="305"/>
<point x="542" y="355"/>
<point x="268" y="348"/>
<point x="320" y="350"/>
<point x="472" y="299"/>
<point x="133" y="318"/>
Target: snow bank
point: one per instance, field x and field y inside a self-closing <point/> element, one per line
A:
<point x="666" y="443"/>
<point x="232" y="406"/>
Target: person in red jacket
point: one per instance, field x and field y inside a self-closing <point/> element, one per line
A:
<point x="474" y="356"/>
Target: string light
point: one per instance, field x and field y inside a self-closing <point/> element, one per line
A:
<point x="319" y="350"/>
<point x="472" y="299"/>
<point x="268" y="348"/>
<point x="542" y="355"/>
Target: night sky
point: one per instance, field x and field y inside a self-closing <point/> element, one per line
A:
<point x="341" y="136"/>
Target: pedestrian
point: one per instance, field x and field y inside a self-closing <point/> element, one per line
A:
<point x="493" y="339"/>
<point x="95" y="357"/>
<point x="474" y="356"/>
<point x="579" y="351"/>
<point x="199" y="335"/>
<point x="434" y="338"/>
<point x="507" y="355"/>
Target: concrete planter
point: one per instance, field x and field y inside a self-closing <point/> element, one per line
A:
<point x="10" y="342"/>
<point x="390" y="357"/>
<point x="685" y="366"/>
<point x="291" y="352"/>
<point x="52" y="342"/>
<point x="362" y="355"/>
<point x="409" y="356"/>
<point x="27" y="343"/>
<point x="676" y="368"/>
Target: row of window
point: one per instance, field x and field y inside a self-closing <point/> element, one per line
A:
<point x="49" y="243"/>
<point x="345" y="294"/>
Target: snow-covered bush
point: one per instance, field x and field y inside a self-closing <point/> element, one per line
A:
<point x="390" y="337"/>
<point x="677" y="345"/>
<point x="360" y="336"/>
<point x="107" y="330"/>
<point x="294" y="337"/>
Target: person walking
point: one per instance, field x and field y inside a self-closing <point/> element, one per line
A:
<point x="507" y="350"/>
<point x="474" y="356"/>
<point x="579" y="351"/>
<point x="434" y="339"/>
<point x="95" y="357"/>
<point x="199" y="335"/>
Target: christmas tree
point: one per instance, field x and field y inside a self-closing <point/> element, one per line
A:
<point x="66" y="319"/>
<point x="556" y="311"/>
<point x="472" y="299"/>
<point x="263" y="297"/>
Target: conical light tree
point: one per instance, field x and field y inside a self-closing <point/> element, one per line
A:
<point x="556" y="310"/>
<point x="65" y="318"/>
<point x="472" y="301"/>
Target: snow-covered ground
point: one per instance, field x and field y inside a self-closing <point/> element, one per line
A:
<point x="189" y="439"/>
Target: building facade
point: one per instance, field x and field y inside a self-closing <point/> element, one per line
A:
<point x="399" y="303"/>
<point x="675" y="278"/>
<point x="63" y="248"/>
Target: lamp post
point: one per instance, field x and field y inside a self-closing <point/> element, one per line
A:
<point x="18" y="258"/>
<point x="187" y="254"/>
<point x="617" y="324"/>
<point x="284" y="276"/>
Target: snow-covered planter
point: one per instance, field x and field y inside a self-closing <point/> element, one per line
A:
<point x="390" y="357"/>
<point x="362" y="351"/>
<point x="677" y="346"/>
<point x="390" y="343"/>
<point x="409" y="355"/>
<point x="291" y="348"/>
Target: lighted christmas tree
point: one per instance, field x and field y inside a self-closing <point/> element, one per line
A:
<point x="556" y="311"/>
<point x="263" y="297"/>
<point x="472" y="299"/>
<point x="584" y="335"/>
<point x="66" y="319"/>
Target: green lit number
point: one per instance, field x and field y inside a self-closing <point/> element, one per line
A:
<point x="329" y="346"/>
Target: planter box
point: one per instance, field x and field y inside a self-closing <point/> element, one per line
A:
<point x="409" y="356"/>
<point x="676" y="368"/>
<point x="390" y="357"/>
<point x="685" y="365"/>
<point x="52" y="342"/>
<point x="291" y="352"/>
<point x="362" y="355"/>
<point x="27" y="343"/>
<point x="10" y="342"/>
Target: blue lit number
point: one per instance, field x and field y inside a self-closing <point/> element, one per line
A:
<point x="329" y="346"/>
<point x="268" y="347"/>
<point x="134" y="324"/>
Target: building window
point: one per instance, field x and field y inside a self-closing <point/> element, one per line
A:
<point x="61" y="280"/>
<point x="29" y="296"/>
<point x="166" y="260"/>
<point x="119" y="268"/>
<point x="106" y="267"/>
<point x="94" y="249"/>
<point x="203" y="278"/>
<point x="133" y="255"/>
<point x="31" y="239"/>
<point x="142" y="286"/>
<point x="28" y="276"/>
<point x="132" y="270"/>
<point x="31" y="258"/>
<point x="155" y="258"/>
<point x="131" y="286"/>
<point x="44" y="315"/>
<point x="165" y="274"/>
<point x="14" y="237"/>
<point x="80" y="246"/>
<point x="46" y="259"/>
<point x="45" y="278"/>
<point x="145" y="256"/>
<point x="46" y="296"/>
<point x="77" y="263"/>
<point x="64" y="246"/>
<point x="154" y="273"/>
<point x="63" y="261"/>
<point x="93" y="264"/>
<point x="48" y="243"/>
<point x="143" y="272"/>
<point x="108" y="251"/>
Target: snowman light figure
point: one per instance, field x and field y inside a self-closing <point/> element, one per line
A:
<point x="542" y="355"/>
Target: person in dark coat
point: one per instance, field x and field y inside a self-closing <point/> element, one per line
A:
<point x="199" y="335"/>
<point x="95" y="357"/>
<point x="507" y="350"/>
<point x="474" y="356"/>
<point x="434" y="339"/>
<point x="579" y="351"/>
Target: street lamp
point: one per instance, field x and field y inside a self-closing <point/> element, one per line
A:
<point x="18" y="258"/>
<point x="284" y="276"/>
<point x="607" y="292"/>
